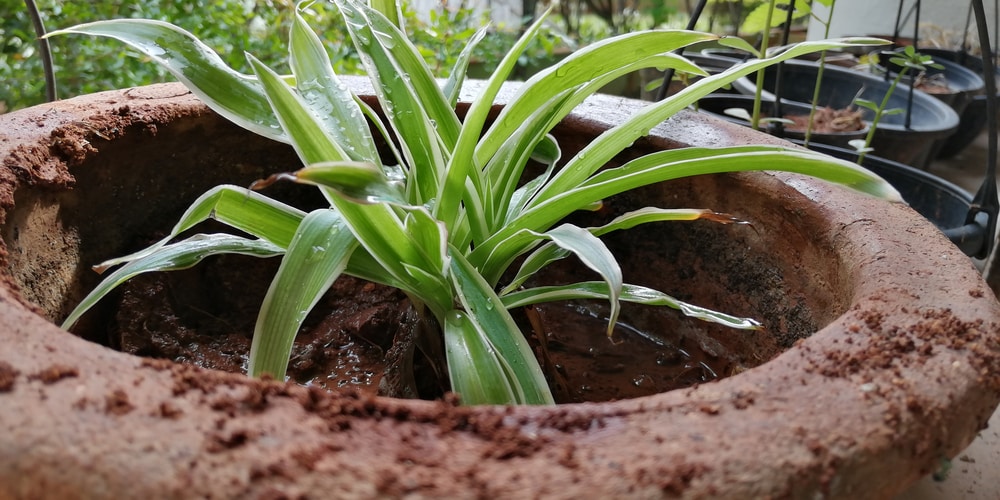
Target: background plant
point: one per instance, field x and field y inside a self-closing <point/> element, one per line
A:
<point x="446" y="215"/>
<point x="231" y="29"/>
<point x="88" y="67"/>
<point x="907" y="60"/>
<point x="830" y="4"/>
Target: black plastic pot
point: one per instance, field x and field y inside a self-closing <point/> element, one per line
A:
<point x="973" y="118"/>
<point x="962" y="83"/>
<point x="931" y="120"/>
<point x="717" y="104"/>
<point x="941" y="202"/>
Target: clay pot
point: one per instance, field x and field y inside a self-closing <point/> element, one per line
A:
<point x="899" y="368"/>
<point x="943" y="203"/>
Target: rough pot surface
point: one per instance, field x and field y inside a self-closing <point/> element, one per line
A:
<point x="904" y="373"/>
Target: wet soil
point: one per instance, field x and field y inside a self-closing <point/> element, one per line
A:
<point x="362" y="336"/>
<point x="639" y="358"/>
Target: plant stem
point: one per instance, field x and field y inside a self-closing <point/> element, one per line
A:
<point x="755" y="119"/>
<point x="819" y="76"/>
<point x="880" y="112"/>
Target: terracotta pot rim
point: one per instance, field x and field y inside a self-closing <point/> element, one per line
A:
<point x="907" y="407"/>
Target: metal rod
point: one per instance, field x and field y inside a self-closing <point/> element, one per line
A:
<point x="668" y="75"/>
<point x="778" y="128"/>
<point x="913" y="78"/>
<point x="986" y="200"/>
<point x="899" y="17"/>
<point x="966" y="45"/>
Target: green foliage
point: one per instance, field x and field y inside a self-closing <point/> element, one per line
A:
<point x="88" y="67"/>
<point x="446" y="215"/>
<point x="762" y="17"/>
<point x="259" y="27"/>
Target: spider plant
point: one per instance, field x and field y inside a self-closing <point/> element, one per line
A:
<point x="446" y="215"/>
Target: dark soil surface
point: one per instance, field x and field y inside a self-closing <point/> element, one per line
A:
<point x="361" y="336"/>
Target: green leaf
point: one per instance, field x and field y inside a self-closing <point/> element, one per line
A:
<point x="594" y="254"/>
<point x="666" y="165"/>
<point x="430" y="236"/>
<point x="548" y="253"/>
<point x="453" y="86"/>
<point x="740" y="113"/>
<point x="462" y="179"/>
<point x="677" y="163"/>
<point x="485" y="309"/>
<point x="376" y="226"/>
<point x="233" y="95"/>
<point x="629" y="293"/>
<point x="329" y="99"/>
<point x="522" y="195"/>
<point x="755" y="21"/>
<point x="319" y="252"/>
<point x="390" y="9"/>
<point x="417" y="110"/>
<point x="602" y="149"/>
<point x="360" y="182"/>
<point x="175" y="256"/>
<point x="505" y="167"/>
<point x="735" y="42"/>
<point x="593" y="62"/>
<point x="476" y="371"/>
<point x="236" y="207"/>
<point x="865" y="103"/>
<point x="303" y="126"/>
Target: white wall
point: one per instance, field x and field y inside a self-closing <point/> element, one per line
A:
<point x="501" y="11"/>
<point x="941" y="21"/>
